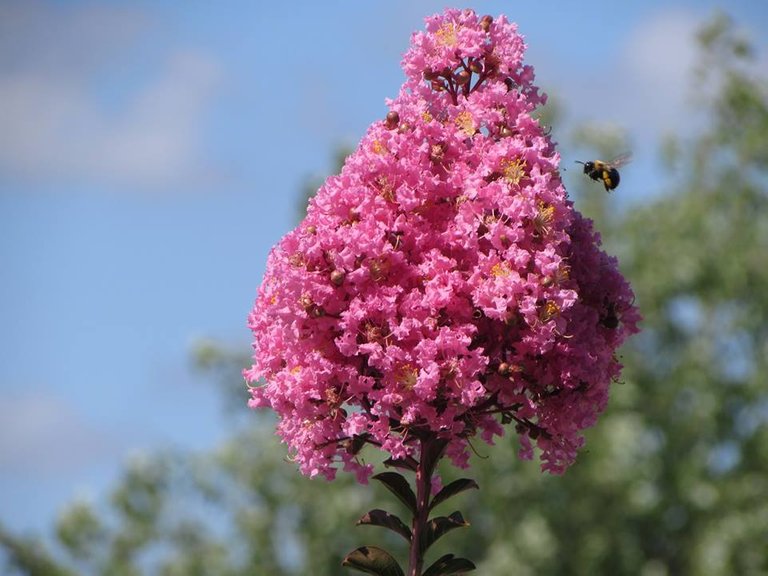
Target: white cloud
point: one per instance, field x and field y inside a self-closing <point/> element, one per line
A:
<point x="41" y="434"/>
<point x="656" y="70"/>
<point x="69" y="111"/>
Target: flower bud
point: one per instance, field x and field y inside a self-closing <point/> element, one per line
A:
<point x="491" y="64"/>
<point x="393" y="119"/>
<point x="438" y="85"/>
<point x="485" y="22"/>
<point x="317" y="311"/>
<point x="337" y="277"/>
<point x="462" y="77"/>
<point x="305" y="301"/>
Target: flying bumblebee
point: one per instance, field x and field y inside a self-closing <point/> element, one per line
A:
<point x="606" y="172"/>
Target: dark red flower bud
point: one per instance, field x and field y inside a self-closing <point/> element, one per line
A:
<point x="505" y="131"/>
<point x="337" y="277"/>
<point x="317" y="312"/>
<point x="438" y="85"/>
<point x="393" y="119"/>
<point x="462" y="77"/>
<point x="491" y="64"/>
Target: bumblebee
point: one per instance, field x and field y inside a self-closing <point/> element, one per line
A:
<point x="606" y="172"/>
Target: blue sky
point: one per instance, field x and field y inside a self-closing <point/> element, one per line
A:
<point x="151" y="153"/>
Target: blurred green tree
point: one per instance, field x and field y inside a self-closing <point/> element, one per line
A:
<point x="674" y="480"/>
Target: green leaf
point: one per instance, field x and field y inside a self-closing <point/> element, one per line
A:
<point x="373" y="560"/>
<point x="452" y="489"/>
<point x="438" y="527"/>
<point x="383" y="518"/>
<point x="398" y="485"/>
<point x="448" y="564"/>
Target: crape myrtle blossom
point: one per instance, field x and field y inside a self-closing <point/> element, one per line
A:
<point x="443" y="283"/>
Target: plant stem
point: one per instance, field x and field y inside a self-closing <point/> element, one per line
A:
<point x="419" y="525"/>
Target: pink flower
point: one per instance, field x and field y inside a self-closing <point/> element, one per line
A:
<point x="443" y="283"/>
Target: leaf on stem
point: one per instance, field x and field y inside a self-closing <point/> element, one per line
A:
<point x="373" y="560"/>
<point x="383" y="518"/>
<point x="448" y="564"/>
<point x="358" y="443"/>
<point x="407" y="463"/>
<point x="432" y="452"/>
<point x="438" y="527"/>
<point x="398" y="485"/>
<point x="452" y="489"/>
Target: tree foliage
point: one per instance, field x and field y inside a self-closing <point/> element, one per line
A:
<point x="675" y="478"/>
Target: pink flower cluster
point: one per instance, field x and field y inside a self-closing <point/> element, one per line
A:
<point x="442" y="284"/>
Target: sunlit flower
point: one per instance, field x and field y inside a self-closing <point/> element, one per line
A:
<point x="442" y="283"/>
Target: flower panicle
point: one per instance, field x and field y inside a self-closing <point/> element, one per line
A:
<point x="442" y="285"/>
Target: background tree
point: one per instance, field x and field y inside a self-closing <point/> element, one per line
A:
<point x="675" y="478"/>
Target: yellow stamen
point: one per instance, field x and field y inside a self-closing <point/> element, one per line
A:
<point x="386" y="188"/>
<point x="448" y="34"/>
<point x="513" y="170"/>
<point x="466" y="123"/>
<point x="550" y="311"/>
<point x="332" y="396"/>
<point x="501" y="269"/>
<point x="378" y="147"/>
<point x="543" y="218"/>
<point x="297" y="259"/>
<point x="562" y="274"/>
<point x="379" y="268"/>
<point x="407" y="375"/>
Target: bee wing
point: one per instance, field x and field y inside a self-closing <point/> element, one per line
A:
<point x="621" y="160"/>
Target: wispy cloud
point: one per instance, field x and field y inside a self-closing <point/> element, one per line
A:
<point x="83" y="100"/>
<point x="41" y="434"/>
<point x="657" y="64"/>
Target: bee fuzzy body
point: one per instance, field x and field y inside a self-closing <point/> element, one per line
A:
<point x="605" y="172"/>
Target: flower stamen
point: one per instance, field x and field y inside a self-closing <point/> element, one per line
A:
<point x="513" y="170"/>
